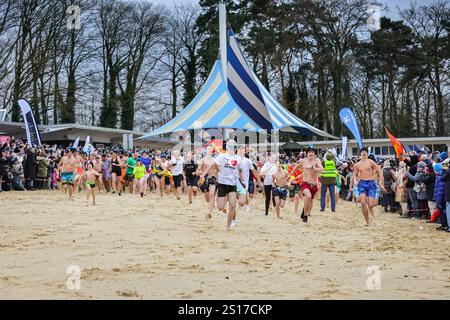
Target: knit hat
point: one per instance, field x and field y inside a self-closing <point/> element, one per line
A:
<point x="437" y="167"/>
<point x="421" y="165"/>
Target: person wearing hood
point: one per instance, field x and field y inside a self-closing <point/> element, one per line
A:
<point x="30" y="168"/>
<point x="400" y="188"/>
<point x="421" y="191"/>
<point x="429" y="181"/>
<point x="412" y="194"/>
<point x="446" y="179"/>
<point x="388" y="196"/>
<point x="439" y="197"/>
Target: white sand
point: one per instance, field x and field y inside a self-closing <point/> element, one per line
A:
<point x="128" y="247"/>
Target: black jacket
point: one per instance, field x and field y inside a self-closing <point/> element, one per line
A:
<point x="429" y="181"/>
<point x="30" y="165"/>
<point x="412" y="170"/>
<point x="446" y="178"/>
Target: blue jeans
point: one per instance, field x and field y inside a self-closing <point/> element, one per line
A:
<point x="323" y="193"/>
<point x="445" y="221"/>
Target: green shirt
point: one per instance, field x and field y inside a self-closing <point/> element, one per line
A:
<point x="130" y="162"/>
<point x="139" y="171"/>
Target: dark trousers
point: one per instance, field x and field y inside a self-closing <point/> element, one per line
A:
<point x="323" y="193"/>
<point x="268" y="193"/>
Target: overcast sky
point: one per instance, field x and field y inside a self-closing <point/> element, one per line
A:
<point x="391" y="4"/>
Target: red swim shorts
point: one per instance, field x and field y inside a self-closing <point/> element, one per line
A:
<point x="311" y="187"/>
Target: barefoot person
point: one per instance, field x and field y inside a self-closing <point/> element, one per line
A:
<point x="208" y="183"/>
<point x="230" y="172"/>
<point x="139" y="177"/>
<point x="177" y="163"/>
<point x="312" y="168"/>
<point x="67" y="169"/>
<point x="190" y="172"/>
<point x="91" y="176"/>
<point x="295" y="180"/>
<point x="279" y="191"/>
<point x="247" y="171"/>
<point x="364" y="174"/>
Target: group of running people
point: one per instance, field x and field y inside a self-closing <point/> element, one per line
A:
<point x="229" y="179"/>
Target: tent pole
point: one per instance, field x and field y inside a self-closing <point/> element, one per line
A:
<point x="223" y="38"/>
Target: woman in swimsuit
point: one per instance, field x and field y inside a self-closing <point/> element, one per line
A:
<point x="90" y="175"/>
<point x="157" y="171"/>
<point x="116" y="172"/>
<point x="208" y="183"/>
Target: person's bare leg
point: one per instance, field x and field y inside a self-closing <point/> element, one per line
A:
<point x="277" y="206"/>
<point x="296" y="203"/>
<point x="71" y="192"/>
<point x="93" y="196"/>
<point x="212" y="199"/>
<point x="364" y="209"/>
<point x="88" y="195"/>
<point x="372" y="204"/>
<point x="231" y="208"/>
<point x="308" y="202"/>
<point x="189" y="194"/>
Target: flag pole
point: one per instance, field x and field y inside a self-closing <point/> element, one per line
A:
<point x="223" y="38"/>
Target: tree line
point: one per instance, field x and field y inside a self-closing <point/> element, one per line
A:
<point x="135" y="65"/>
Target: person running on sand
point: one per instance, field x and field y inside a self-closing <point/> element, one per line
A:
<point x="312" y="168"/>
<point x="230" y="172"/>
<point x="139" y="177"/>
<point x="116" y="172"/>
<point x="295" y="181"/>
<point x="177" y="163"/>
<point x="208" y="180"/>
<point x="98" y="164"/>
<point x="190" y="172"/>
<point x="247" y="170"/>
<point x="90" y="177"/>
<point x="268" y="170"/>
<point x="130" y="164"/>
<point x="364" y="174"/>
<point x="67" y="169"/>
<point x="168" y="178"/>
<point x="279" y="190"/>
<point x="158" y="177"/>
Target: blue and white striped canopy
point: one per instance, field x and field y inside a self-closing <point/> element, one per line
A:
<point x="212" y="107"/>
<point x="241" y="103"/>
<point x="256" y="100"/>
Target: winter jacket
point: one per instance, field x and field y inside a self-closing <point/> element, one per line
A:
<point x="429" y="180"/>
<point x="446" y="178"/>
<point x="439" y="190"/>
<point x="387" y="175"/>
<point x="419" y="181"/>
<point x="42" y="167"/>
<point x="30" y="165"/>
<point x="412" y="170"/>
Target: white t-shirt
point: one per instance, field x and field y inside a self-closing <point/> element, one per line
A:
<point x="268" y="170"/>
<point x="229" y="166"/>
<point x="177" y="166"/>
<point x="246" y="165"/>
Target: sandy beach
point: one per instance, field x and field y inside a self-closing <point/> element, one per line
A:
<point x="147" y="248"/>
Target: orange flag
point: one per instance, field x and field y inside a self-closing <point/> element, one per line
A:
<point x="399" y="150"/>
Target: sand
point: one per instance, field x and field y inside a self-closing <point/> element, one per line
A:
<point x="132" y="248"/>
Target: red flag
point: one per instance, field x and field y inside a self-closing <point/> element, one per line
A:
<point x="399" y="150"/>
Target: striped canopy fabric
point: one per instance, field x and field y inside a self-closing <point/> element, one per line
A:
<point x="213" y="107"/>
<point x="256" y="100"/>
<point x="240" y="103"/>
